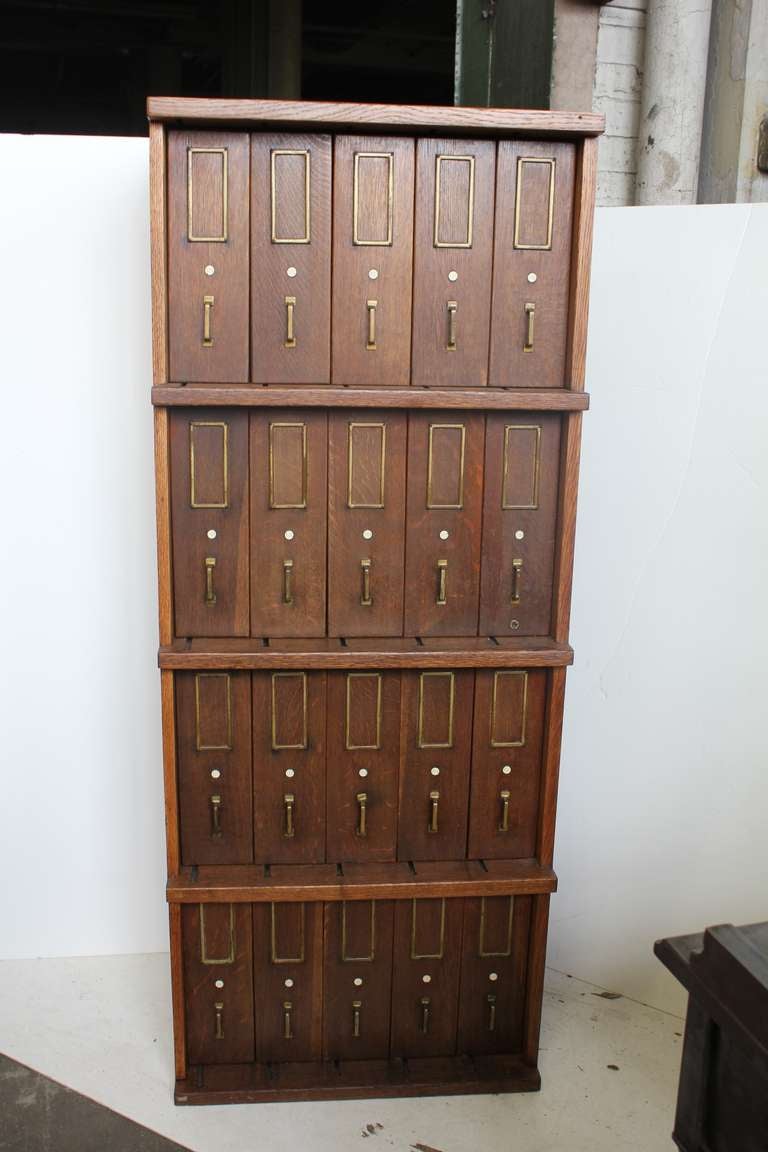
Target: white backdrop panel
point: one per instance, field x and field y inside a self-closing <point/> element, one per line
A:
<point x="664" y="782"/>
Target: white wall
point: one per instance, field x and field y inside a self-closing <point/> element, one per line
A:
<point x="664" y="786"/>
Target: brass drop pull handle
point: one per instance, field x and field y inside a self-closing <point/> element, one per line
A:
<point x="517" y="567"/>
<point x="371" y="305"/>
<point x="210" y="593"/>
<point x="365" y="592"/>
<point x="362" y="808"/>
<point x="504" y="821"/>
<point x="290" y="335"/>
<point x="425" y="1003"/>
<point x="442" y="574"/>
<point x="218" y="1008"/>
<point x="530" y="316"/>
<point x="287" y="581"/>
<point x="356" y="1006"/>
<point x="216" y="817"/>
<point x="287" y="1020"/>
<point x="289" y="827"/>
<point x="491" y="1013"/>
<point x="207" y="318"/>
<point x="434" y="800"/>
<point x="453" y="308"/>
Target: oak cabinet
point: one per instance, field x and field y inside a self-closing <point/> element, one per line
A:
<point x="369" y="330"/>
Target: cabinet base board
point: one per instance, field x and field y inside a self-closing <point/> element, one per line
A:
<point x="355" y="1079"/>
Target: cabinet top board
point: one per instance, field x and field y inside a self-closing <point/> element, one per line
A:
<point x="422" y="118"/>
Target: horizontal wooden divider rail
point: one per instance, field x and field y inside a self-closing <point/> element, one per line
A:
<point x="369" y="337"/>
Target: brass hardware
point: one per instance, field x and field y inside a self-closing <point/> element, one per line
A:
<point x="442" y="572"/>
<point x="216" y="817"/>
<point x="530" y="315"/>
<point x="521" y="161"/>
<point x="222" y="237"/>
<point x="425" y="1003"/>
<point x="389" y="157"/>
<point x="363" y="676"/>
<point x="519" y="743"/>
<point x="353" y="425"/>
<point x="371" y="305"/>
<point x="517" y="566"/>
<point x="276" y="427"/>
<point x="441" y="947"/>
<point x="274" y="957"/>
<point x="210" y="594"/>
<point x="194" y="425"/>
<point x="460" y="502"/>
<point x="491" y="1012"/>
<point x="285" y="676"/>
<point x="422" y="678"/>
<point x="287" y="1020"/>
<point x="199" y="746"/>
<point x="273" y="193"/>
<point x="290" y="337"/>
<point x="356" y="1006"/>
<point x="439" y="161"/>
<point x="362" y="804"/>
<point x="365" y="595"/>
<point x="357" y="959"/>
<point x="207" y="314"/>
<point x="504" y="822"/>
<point x="230" y="957"/>
<point x="534" y="501"/>
<point x="219" y="1010"/>
<point x="288" y="826"/>
<point x="452" y="310"/>
<point x="287" y="581"/>
<point x="434" y="800"/>
<point x="481" y="950"/>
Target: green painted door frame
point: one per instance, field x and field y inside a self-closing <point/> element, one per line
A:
<point x="504" y="53"/>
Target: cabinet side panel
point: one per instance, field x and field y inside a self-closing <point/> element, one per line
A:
<point x="158" y="253"/>
<point x="581" y="264"/>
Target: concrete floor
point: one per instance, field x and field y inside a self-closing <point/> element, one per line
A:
<point x="102" y="1027"/>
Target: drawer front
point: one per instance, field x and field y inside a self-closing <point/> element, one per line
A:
<point x="493" y="972"/>
<point x="425" y="981"/>
<point x="290" y="258"/>
<point x="506" y="763"/>
<point x="445" y="487"/>
<point x="218" y="982"/>
<point x="208" y="256"/>
<point x="363" y="760"/>
<point x="213" y="721"/>
<point x="288" y="467"/>
<point x="366" y="513"/>
<point x="357" y="979"/>
<point x="287" y="968"/>
<point x="522" y="466"/>
<point x="531" y="264"/>
<point x="452" y="262"/>
<point x="434" y="780"/>
<point x="209" y="511"/>
<point x="372" y="260"/>
<point x="289" y="767"/>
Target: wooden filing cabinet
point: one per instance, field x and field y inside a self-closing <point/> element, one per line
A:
<point x="369" y="334"/>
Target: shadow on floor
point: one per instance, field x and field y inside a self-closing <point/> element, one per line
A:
<point x="39" y="1115"/>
